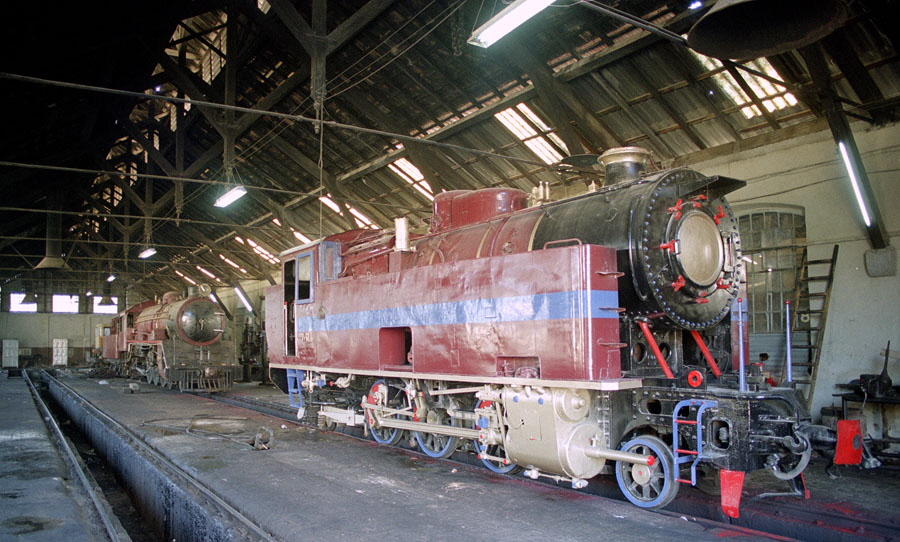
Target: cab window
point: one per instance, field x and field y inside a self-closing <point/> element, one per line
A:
<point x="304" y="283"/>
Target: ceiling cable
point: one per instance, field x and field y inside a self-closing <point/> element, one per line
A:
<point x="252" y="111"/>
<point x="172" y="178"/>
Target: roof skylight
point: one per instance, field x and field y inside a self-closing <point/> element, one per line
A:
<point x="262" y="252"/>
<point x="533" y="132"/>
<point x="361" y="220"/>
<point x="300" y="237"/>
<point x="231" y="262"/>
<point x="774" y="97"/>
<point x="185" y="277"/>
<point x="407" y="171"/>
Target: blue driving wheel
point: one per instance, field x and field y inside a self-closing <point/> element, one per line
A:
<point x="433" y="444"/>
<point x="383" y="395"/>
<point x="493" y="450"/>
<point x="648" y="486"/>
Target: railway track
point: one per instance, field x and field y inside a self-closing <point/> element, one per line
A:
<point x="790" y="519"/>
<point x="99" y="506"/>
<point x="174" y="502"/>
<point x="185" y="498"/>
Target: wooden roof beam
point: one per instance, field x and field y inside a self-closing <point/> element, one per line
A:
<point x="858" y="77"/>
<point x="770" y="119"/>
<point x="317" y="173"/>
<point x="630" y="112"/>
<point x="565" y="110"/>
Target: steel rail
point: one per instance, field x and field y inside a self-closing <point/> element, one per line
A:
<point x="147" y="451"/>
<point x="762" y="516"/>
<point x="101" y="507"/>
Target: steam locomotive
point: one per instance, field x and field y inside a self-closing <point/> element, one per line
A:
<point x="596" y="334"/>
<point x="178" y="343"/>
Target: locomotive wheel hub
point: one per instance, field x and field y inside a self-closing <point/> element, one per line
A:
<point x="640" y="474"/>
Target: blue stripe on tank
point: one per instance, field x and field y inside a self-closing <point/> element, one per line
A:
<point x="576" y="304"/>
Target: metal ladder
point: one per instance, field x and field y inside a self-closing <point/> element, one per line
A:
<point x="294" y="387"/>
<point x="810" y="316"/>
<point x="687" y="455"/>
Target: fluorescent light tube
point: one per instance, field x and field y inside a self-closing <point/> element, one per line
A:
<point x="243" y="297"/>
<point x="855" y="183"/>
<point x="226" y="199"/>
<point x="146" y="253"/>
<point x="506" y="21"/>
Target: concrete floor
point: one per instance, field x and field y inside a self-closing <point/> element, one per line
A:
<point x="327" y="486"/>
<point x="37" y="502"/>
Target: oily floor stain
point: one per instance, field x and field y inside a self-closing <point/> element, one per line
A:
<point x="29" y="524"/>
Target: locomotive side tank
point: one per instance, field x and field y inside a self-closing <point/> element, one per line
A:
<point x="551" y="338"/>
<point x="176" y="343"/>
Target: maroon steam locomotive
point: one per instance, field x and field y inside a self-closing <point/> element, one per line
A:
<point x="178" y="343"/>
<point x="567" y="339"/>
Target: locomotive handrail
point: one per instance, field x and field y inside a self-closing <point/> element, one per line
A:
<point x="561" y="241"/>
<point x="692" y="456"/>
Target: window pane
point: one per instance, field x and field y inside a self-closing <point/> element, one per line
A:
<point x="772" y="243"/>
<point x="15" y="304"/>
<point x="304" y="278"/>
<point x="106" y="309"/>
<point x="65" y="303"/>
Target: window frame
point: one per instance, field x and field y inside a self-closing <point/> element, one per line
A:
<point x="311" y="255"/>
<point x="774" y="267"/>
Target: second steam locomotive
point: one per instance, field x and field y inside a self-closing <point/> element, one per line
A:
<point x="177" y="343"/>
<point x="567" y="339"/>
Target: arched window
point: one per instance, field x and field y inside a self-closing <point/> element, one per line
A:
<point x="772" y="239"/>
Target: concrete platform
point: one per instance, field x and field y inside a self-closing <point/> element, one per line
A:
<point x="317" y="485"/>
<point x="847" y="504"/>
<point x="37" y="502"/>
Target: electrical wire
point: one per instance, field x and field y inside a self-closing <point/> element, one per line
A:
<point x="801" y="187"/>
<point x="170" y="178"/>
<point x="296" y="118"/>
<point x="449" y="11"/>
<point x="406" y="22"/>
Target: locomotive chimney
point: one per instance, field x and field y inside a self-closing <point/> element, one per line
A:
<point x="624" y="164"/>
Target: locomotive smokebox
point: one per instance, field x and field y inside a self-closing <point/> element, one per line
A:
<point x="200" y="321"/>
<point x="624" y="164"/>
<point x="675" y="235"/>
<point x="196" y="320"/>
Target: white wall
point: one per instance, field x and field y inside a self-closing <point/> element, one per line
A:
<point x="864" y="312"/>
<point x="37" y="330"/>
